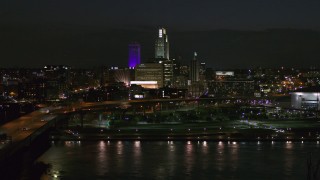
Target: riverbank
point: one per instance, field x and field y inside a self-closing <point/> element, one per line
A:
<point x="237" y="130"/>
<point x="236" y="135"/>
<point x="183" y="139"/>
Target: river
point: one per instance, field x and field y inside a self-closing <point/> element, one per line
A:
<point x="179" y="160"/>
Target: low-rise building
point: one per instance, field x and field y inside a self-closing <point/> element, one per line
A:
<point x="306" y="98"/>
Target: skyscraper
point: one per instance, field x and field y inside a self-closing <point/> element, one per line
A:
<point x="162" y="45"/>
<point x="162" y="55"/>
<point x="194" y="69"/>
<point x="134" y="55"/>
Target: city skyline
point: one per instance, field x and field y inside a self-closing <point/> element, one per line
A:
<point x="227" y="48"/>
<point x="91" y="91"/>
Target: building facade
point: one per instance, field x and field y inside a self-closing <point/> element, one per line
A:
<point x="306" y="98"/>
<point x="162" y="56"/>
<point x="194" y="69"/>
<point x="167" y="72"/>
<point x="150" y="72"/>
<point x="162" y="45"/>
<point x="134" y="55"/>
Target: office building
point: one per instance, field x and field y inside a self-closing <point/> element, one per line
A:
<point x="134" y="55"/>
<point x="162" y="56"/>
<point x="162" y="45"/>
<point x="168" y="72"/>
<point x="149" y="74"/>
<point x="306" y="98"/>
<point x="194" y="69"/>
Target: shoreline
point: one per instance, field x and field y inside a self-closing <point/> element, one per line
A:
<point x="134" y="138"/>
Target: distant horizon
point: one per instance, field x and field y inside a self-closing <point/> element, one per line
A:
<point x="150" y="28"/>
<point x="219" y="48"/>
<point x="213" y="68"/>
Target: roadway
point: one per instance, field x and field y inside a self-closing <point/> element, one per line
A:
<point x="126" y="102"/>
<point x="19" y="129"/>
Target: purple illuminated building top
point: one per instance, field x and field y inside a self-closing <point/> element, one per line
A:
<point x="134" y="55"/>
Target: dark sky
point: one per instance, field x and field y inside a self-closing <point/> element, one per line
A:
<point x="95" y="32"/>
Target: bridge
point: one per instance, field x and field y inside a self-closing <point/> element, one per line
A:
<point x="22" y="133"/>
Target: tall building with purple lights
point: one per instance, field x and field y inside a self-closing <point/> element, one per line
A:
<point x="134" y="55"/>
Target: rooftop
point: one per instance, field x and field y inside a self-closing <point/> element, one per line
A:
<point x="309" y="89"/>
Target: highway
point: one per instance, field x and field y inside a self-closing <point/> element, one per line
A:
<point x="125" y="102"/>
<point x="19" y="129"/>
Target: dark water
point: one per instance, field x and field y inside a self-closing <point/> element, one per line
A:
<point x="179" y="160"/>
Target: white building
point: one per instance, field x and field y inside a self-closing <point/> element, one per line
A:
<point x="306" y="98"/>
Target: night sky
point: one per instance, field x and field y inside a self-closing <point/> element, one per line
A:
<point x="226" y="33"/>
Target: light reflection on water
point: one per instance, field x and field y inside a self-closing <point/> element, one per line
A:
<point x="178" y="159"/>
<point x="188" y="157"/>
<point x="171" y="159"/>
<point x="204" y="148"/>
<point x="137" y="155"/>
<point x="234" y="149"/>
<point x="101" y="158"/>
<point x="288" y="161"/>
